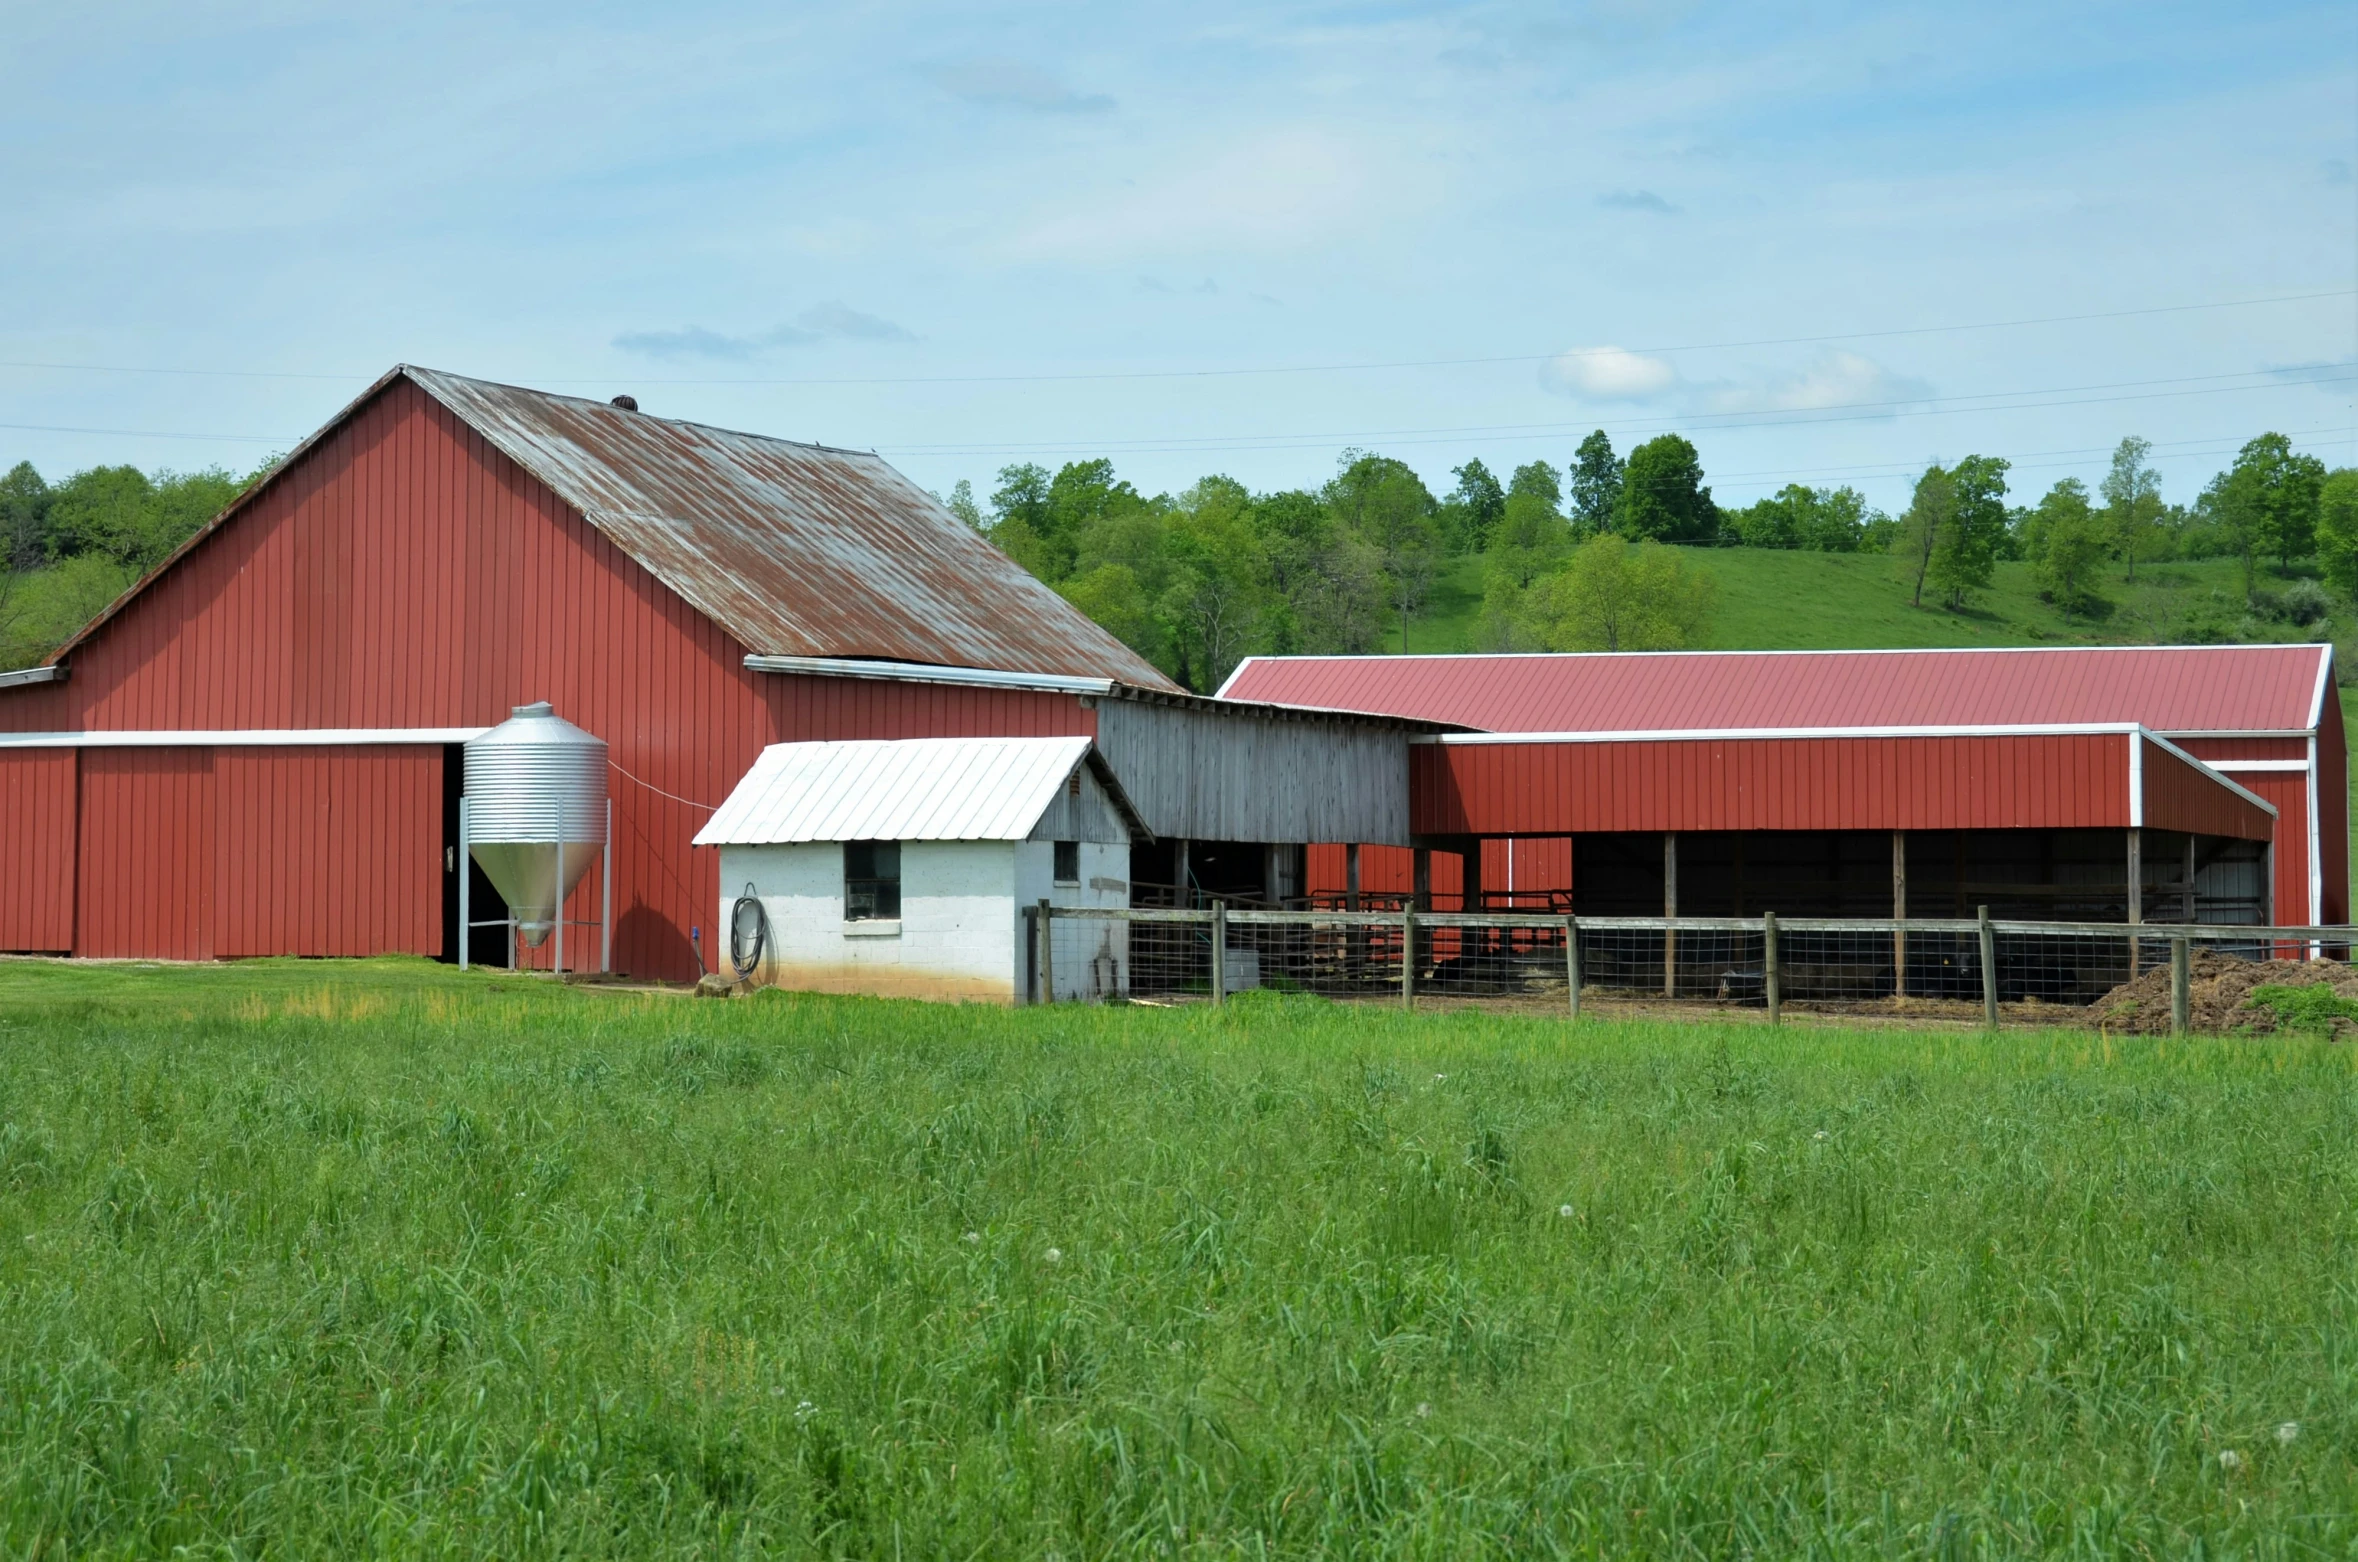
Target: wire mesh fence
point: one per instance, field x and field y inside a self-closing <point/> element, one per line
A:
<point x="1987" y="970"/>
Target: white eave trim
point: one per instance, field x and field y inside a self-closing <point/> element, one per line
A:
<point x="2324" y="687"/>
<point x="918" y="672"/>
<point x="244" y="737"/>
<point x="25" y="675"/>
<point x="1759" y="734"/>
<point x="2137" y="780"/>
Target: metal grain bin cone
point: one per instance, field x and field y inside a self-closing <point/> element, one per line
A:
<point x="536" y="811"/>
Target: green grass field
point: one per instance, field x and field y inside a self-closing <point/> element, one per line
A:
<point x="1770" y="599"/>
<point x="312" y="1259"/>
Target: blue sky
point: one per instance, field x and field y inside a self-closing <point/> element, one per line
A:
<point x="967" y="237"/>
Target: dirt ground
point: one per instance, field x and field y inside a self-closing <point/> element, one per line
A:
<point x="2221" y="993"/>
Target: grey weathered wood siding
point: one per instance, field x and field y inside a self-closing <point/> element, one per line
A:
<point x="1207" y="776"/>
<point x="1088" y="815"/>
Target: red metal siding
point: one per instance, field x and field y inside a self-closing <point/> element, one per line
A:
<point x="2180" y="796"/>
<point x="405" y="574"/>
<point x="332" y="851"/>
<point x="37" y="806"/>
<point x="145" y="886"/>
<point x="2333" y="808"/>
<point x="2051" y="782"/>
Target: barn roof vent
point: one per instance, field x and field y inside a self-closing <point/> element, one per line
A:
<point x="627" y="403"/>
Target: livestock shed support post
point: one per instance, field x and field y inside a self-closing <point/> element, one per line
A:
<point x="1421" y="884"/>
<point x="1351" y="877"/>
<point x="1185" y="898"/>
<point x="2136" y="893"/>
<point x="1899" y="913"/>
<point x="2181" y="986"/>
<point x="2187" y="889"/>
<point x="466" y="856"/>
<point x="1669" y="913"/>
<point x="1772" y="984"/>
<point x="1989" y="971"/>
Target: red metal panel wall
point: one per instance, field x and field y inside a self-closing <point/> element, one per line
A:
<point x="2333" y="808"/>
<point x="334" y="851"/>
<point x="2179" y="796"/>
<point x="2289" y="791"/>
<point x="406" y="574"/>
<point x="145" y="885"/>
<point x="2017" y="782"/>
<point x="37" y="850"/>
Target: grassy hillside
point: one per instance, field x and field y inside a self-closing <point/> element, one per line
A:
<point x="315" y="1259"/>
<point x="1776" y="600"/>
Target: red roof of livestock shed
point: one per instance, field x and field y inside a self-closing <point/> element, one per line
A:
<point x="2171" y="689"/>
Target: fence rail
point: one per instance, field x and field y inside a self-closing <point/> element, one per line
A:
<point x="1993" y="970"/>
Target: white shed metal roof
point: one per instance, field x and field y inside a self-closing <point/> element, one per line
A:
<point x="905" y="789"/>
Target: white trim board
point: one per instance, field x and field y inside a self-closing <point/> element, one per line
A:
<point x="245" y="737"/>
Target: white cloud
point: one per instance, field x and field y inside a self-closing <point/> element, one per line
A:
<point x="1607" y="374"/>
<point x="1016" y="84"/>
<point x="1832" y="379"/>
<point x="819" y="323"/>
<point x="1282" y="190"/>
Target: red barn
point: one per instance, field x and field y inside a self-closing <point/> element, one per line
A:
<point x="254" y="751"/>
<point x="2040" y="781"/>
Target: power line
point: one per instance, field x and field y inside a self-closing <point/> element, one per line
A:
<point x="1180" y="443"/>
<point x="1230" y="373"/>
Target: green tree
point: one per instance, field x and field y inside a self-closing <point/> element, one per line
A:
<point x="2132" y="500"/>
<point x="1384" y="502"/>
<point x="1472" y="509"/>
<point x="1613" y="596"/>
<point x="1595" y="483"/>
<point x="2337" y="530"/>
<point x="2276" y="489"/>
<point x="123" y="514"/>
<point x="1924" y="527"/>
<point x="961" y="504"/>
<point x="1327" y="581"/>
<point x="1019" y="521"/>
<point x="1663" y="498"/>
<point x="1967" y="554"/>
<point x="1836" y="522"/>
<point x="1217" y="603"/>
<point x="2074" y="541"/>
<point x="24" y="518"/>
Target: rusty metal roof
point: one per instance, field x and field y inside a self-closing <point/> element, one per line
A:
<point x="794" y="549"/>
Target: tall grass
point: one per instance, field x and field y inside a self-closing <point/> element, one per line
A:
<point x="372" y="1260"/>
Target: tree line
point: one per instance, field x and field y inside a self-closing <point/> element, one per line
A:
<point x="1591" y="555"/>
<point x="68" y="549"/>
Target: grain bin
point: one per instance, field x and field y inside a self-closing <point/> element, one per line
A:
<point x="535" y="813"/>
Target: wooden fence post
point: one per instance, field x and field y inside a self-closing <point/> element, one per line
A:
<point x="1989" y="971"/>
<point x="1219" y="951"/>
<point x="1047" y="953"/>
<point x="1572" y="964"/>
<point x="1772" y="981"/>
<point x="1408" y="957"/>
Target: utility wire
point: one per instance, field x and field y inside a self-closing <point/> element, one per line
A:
<point x="1181" y="443"/>
<point x="1229" y="373"/>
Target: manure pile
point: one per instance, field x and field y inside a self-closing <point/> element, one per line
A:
<point x="2221" y="993"/>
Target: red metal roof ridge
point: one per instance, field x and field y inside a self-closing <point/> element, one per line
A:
<point x="416" y="371"/>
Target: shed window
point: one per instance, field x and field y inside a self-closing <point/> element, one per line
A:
<point x="1068" y="862"/>
<point x="871" y="881"/>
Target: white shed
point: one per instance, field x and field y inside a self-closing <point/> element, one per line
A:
<point x="902" y="867"/>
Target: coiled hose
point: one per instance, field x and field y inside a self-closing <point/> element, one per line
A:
<point x="749" y="934"/>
